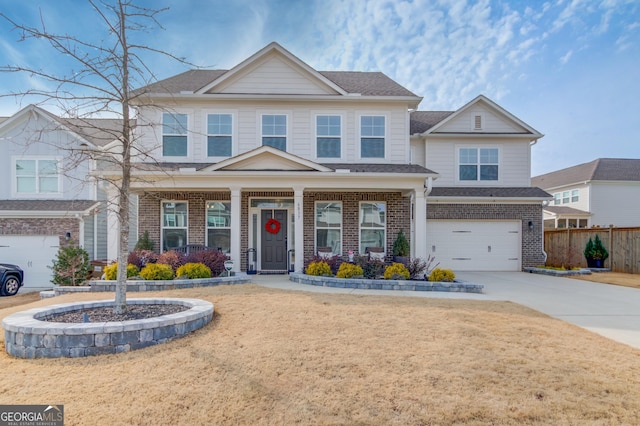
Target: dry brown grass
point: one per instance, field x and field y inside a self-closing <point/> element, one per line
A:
<point x="616" y="278"/>
<point x="276" y="357"/>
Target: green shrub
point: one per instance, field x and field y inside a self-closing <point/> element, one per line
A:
<point x="111" y="271"/>
<point x="212" y="259"/>
<point x="442" y="275"/>
<point x="397" y="271"/>
<point x="320" y="269"/>
<point x="157" y="271"/>
<point x="144" y="242"/>
<point x="349" y="270"/>
<point x="71" y="265"/>
<point x="193" y="271"/>
<point x="401" y="245"/>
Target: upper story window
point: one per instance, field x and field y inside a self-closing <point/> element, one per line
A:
<point x="219" y="225"/>
<point x="478" y="164"/>
<point x="219" y="135"/>
<point x="274" y="131"/>
<point x="37" y="176"/>
<point x="372" y="134"/>
<point x="329" y="226"/>
<point x="174" y="135"/>
<point x="566" y="197"/>
<point x="328" y="133"/>
<point x="174" y="224"/>
<point x="575" y="195"/>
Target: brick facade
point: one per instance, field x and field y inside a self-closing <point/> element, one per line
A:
<point x="398" y="215"/>
<point x="42" y="226"/>
<point x="532" y="241"/>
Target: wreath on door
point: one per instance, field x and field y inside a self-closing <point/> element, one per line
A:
<point x="272" y="226"/>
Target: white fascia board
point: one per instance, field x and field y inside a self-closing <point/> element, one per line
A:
<point x="413" y="100"/>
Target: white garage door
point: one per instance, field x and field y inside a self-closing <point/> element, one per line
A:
<point x="33" y="254"/>
<point x="475" y="245"/>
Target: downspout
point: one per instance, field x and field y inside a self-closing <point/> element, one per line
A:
<point x="544" y="253"/>
<point x="428" y="186"/>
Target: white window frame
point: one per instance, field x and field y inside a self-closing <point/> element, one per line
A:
<point x="361" y="228"/>
<point x="478" y="181"/>
<point x="360" y="136"/>
<point x="234" y="147"/>
<point x="37" y="158"/>
<point x="287" y="135"/>
<point x="566" y="197"/>
<point x="188" y="131"/>
<point x="206" y="224"/>
<point x="163" y="227"/>
<point x="316" y="136"/>
<point x="575" y="195"/>
<point x="557" y="198"/>
<point x="317" y="228"/>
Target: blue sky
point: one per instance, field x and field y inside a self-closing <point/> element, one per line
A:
<point x="569" y="68"/>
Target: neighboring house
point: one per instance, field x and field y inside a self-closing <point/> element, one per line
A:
<point x="277" y="157"/>
<point x="602" y="192"/>
<point x="48" y="196"/>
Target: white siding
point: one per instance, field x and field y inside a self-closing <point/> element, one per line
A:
<point x="514" y="167"/>
<point x="491" y="122"/>
<point x="38" y="137"/>
<point x="274" y="75"/>
<point x="301" y="127"/>
<point x="616" y="203"/>
<point x="583" y="197"/>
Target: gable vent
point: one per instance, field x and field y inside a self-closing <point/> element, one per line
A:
<point x="477" y="122"/>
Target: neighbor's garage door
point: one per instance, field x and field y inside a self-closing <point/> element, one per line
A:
<point x="33" y="254"/>
<point x="475" y="245"/>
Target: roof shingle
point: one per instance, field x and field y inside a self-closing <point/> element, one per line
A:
<point x="492" y="192"/>
<point x="611" y="169"/>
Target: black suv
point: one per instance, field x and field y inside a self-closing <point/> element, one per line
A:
<point x="11" y="277"/>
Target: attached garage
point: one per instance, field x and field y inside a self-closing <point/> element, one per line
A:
<point x="34" y="254"/>
<point x="483" y="245"/>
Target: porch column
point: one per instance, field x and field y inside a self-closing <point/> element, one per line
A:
<point x="113" y="230"/>
<point x="420" y="243"/>
<point x="235" y="228"/>
<point x="298" y="202"/>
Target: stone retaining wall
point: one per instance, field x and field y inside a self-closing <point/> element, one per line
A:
<point x="458" y="286"/>
<point x="27" y="336"/>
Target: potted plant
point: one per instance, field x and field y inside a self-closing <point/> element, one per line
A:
<point x="595" y="253"/>
<point x="401" y="249"/>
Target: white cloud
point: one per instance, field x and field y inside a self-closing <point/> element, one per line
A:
<point x="565" y="58"/>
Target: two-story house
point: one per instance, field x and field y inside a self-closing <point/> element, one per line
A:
<point x="48" y="196"/>
<point x="602" y="192"/>
<point x="275" y="158"/>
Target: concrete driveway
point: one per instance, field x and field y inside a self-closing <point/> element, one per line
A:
<point x="609" y="310"/>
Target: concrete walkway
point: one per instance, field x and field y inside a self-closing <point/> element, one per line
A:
<point x="611" y="311"/>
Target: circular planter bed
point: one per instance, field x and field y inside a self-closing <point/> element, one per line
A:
<point x="31" y="333"/>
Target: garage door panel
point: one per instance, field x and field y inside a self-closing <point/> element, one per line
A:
<point x="34" y="254"/>
<point x="475" y="245"/>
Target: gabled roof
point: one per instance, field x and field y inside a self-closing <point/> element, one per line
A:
<point x="91" y="131"/>
<point x="528" y="130"/>
<point x="421" y="121"/>
<point x="342" y="82"/>
<point x="601" y="169"/>
<point x="266" y="158"/>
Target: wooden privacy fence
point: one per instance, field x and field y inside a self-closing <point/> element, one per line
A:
<point x="565" y="247"/>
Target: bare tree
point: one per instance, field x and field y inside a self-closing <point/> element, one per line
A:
<point x="103" y="83"/>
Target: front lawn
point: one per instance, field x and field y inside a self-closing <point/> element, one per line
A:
<point x="278" y="357"/>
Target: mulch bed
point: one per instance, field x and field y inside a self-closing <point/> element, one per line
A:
<point x="105" y="314"/>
